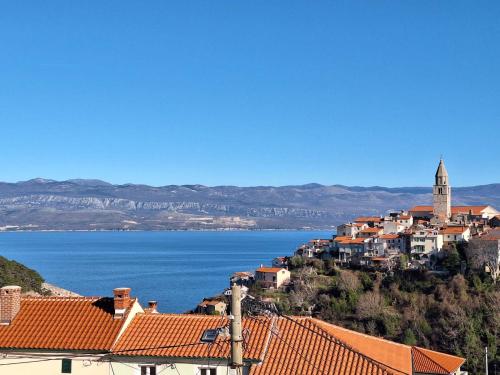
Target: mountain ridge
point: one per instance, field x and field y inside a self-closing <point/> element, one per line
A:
<point x="88" y="204"/>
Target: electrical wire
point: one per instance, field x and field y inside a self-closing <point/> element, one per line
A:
<point x="20" y="363"/>
<point x="290" y="346"/>
<point x="274" y="310"/>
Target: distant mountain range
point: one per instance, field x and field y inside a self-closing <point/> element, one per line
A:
<point x="41" y="204"/>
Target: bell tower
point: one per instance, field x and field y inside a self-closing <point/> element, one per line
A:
<point x="441" y="195"/>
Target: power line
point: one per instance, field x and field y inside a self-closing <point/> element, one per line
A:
<point x="273" y="310"/>
<point x="290" y="346"/>
<point x="21" y="363"/>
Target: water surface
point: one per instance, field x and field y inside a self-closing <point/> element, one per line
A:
<point x="177" y="269"/>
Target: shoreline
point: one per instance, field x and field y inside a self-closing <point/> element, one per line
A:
<point x="167" y="230"/>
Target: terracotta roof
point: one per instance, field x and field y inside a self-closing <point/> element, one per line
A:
<point x="371" y="230"/>
<point x="282" y="346"/>
<point x="398" y="358"/>
<point x="366" y="219"/>
<point x="71" y="323"/>
<point x="342" y="238"/>
<point x="312" y="350"/>
<point x="269" y="269"/>
<point x="178" y="336"/>
<point x="404" y="217"/>
<point x="453" y="230"/>
<point x="422" y="208"/>
<point x="359" y="224"/>
<point x="431" y="362"/>
<point x="476" y="210"/>
<point x="389" y="236"/>
<point x="353" y="241"/>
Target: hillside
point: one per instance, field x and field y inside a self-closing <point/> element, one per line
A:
<point x="14" y="273"/>
<point x="455" y="314"/>
<point x="93" y="205"/>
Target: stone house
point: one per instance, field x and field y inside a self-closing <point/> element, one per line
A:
<point x="272" y="277"/>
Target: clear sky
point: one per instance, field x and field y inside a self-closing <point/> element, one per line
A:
<point x="250" y="92"/>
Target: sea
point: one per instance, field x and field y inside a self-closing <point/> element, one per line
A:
<point x="177" y="269"/>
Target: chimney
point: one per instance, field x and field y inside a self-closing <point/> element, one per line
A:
<point x="153" y="307"/>
<point x="121" y="301"/>
<point x="10" y="303"/>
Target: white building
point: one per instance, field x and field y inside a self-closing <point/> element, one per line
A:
<point x="425" y="242"/>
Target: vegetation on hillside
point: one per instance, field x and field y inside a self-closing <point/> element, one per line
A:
<point x="14" y="273"/>
<point x="453" y="313"/>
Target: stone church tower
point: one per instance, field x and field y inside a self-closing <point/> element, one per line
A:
<point x="441" y="195"/>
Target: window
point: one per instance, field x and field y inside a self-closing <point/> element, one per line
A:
<point x="208" y="371"/>
<point x="66" y="366"/>
<point x="148" y="370"/>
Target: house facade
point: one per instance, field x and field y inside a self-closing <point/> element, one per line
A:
<point x="61" y="335"/>
<point x="272" y="277"/>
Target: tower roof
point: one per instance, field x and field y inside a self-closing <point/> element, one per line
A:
<point x="441" y="170"/>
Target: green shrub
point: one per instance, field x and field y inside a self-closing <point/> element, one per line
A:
<point x="14" y="273"/>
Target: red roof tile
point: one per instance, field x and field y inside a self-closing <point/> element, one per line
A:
<point x="476" y="210"/>
<point x="371" y="230"/>
<point x="178" y="336"/>
<point x="421" y="209"/>
<point x="308" y="349"/>
<point x="453" y="230"/>
<point x="430" y="362"/>
<point x="71" y="323"/>
<point x="389" y="236"/>
<point x="367" y="219"/>
<point x="269" y="269"/>
<point x="398" y="358"/>
<point x="282" y="346"/>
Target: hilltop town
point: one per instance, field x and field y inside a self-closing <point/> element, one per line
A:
<point x="417" y="238"/>
<point x="395" y="275"/>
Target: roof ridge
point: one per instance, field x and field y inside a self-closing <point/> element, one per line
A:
<point x="183" y="316"/>
<point x="349" y="347"/>
<point x="364" y="334"/>
<point x="48" y="298"/>
<point x="429" y="358"/>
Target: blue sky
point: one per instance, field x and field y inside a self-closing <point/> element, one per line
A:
<point x="250" y="92"/>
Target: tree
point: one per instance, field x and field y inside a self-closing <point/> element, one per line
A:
<point x="484" y="254"/>
<point x="348" y="281"/>
<point x="452" y="261"/>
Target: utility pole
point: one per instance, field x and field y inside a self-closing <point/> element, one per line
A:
<point x="236" y="335"/>
<point x="486" y="359"/>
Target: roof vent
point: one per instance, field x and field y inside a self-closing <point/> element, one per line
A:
<point x="209" y="336"/>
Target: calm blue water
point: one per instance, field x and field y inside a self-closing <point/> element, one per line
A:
<point x="177" y="269"/>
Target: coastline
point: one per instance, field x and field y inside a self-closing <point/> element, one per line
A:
<point x="170" y="230"/>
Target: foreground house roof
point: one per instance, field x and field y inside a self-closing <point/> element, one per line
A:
<point x="62" y="323"/>
<point x="399" y="358"/>
<point x="281" y="346"/>
<point x="306" y="348"/>
<point x="178" y="336"/>
<point x="272" y="345"/>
